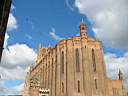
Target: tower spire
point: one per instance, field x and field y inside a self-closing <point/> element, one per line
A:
<point x="82" y="20"/>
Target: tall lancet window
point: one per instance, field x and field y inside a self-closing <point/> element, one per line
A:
<point x="77" y="60"/>
<point x="62" y="62"/>
<point x="93" y="60"/>
<point x="62" y="87"/>
<point x="78" y="86"/>
<point x="96" y="84"/>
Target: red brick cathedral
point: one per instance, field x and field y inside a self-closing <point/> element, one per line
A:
<point x="74" y="67"/>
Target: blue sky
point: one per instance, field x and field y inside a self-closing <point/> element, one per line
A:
<point x="10" y="83"/>
<point x="37" y="18"/>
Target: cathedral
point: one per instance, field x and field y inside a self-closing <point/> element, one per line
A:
<point x="74" y="67"/>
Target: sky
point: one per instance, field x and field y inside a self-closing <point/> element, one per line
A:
<point x="34" y="22"/>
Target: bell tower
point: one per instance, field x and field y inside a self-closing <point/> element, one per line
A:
<point x="83" y="29"/>
<point x="120" y="75"/>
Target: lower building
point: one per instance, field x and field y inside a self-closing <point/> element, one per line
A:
<point x="74" y="67"/>
<point x="116" y="87"/>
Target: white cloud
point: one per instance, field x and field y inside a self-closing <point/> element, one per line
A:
<point x="12" y="23"/>
<point x="54" y="35"/>
<point x="8" y="74"/>
<point x="110" y="19"/>
<point x="14" y="65"/>
<point x="18" y="55"/>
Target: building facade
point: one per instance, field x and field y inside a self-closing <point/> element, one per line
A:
<point x="74" y="67"/>
<point x="4" y="14"/>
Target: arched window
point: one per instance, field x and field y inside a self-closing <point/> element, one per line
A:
<point x="93" y="60"/>
<point x="77" y="60"/>
<point x="62" y="87"/>
<point x="62" y="62"/>
<point x="78" y="86"/>
<point x="96" y="84"/>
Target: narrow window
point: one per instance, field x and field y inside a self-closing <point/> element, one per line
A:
<point x="62" y="61"/>
<point x="62" y="87"/>
<point x="93" y="60"/>
<point x="56" y="58"/>
<point x="78" y="86"/>
<point x="77" y="60"/>
<point x="48" y="74"/>
<point x="52" y="62"/>
<point x="96" y="84"/>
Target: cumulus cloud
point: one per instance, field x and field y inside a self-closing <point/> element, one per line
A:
<point x="8" y="74"/>
<point x="18" y="55"/>
<point x="15" y="63"/>
<point x="109" y="18"/>
<point x="54" y="35"/>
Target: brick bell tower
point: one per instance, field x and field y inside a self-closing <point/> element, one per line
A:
<point x="120" y="75"/>
<point x="83" y="29"/>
